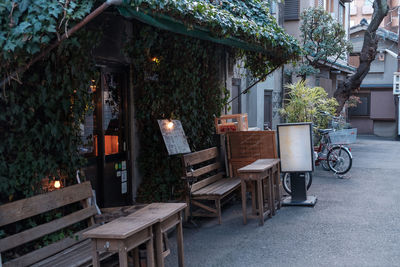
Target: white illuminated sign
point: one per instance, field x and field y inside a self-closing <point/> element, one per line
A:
<point x="295" y="147"/>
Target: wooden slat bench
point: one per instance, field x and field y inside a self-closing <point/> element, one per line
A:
<point x="70" y="251"/>
<point x="210" y="184"/>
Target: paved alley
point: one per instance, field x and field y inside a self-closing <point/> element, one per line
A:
<point x="356" y="221"/>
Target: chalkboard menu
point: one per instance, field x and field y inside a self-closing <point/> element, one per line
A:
<point x="174" y="137"/>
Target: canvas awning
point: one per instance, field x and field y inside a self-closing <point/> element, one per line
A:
<point x="246" y="25"/>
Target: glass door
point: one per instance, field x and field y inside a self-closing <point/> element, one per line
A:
<point x="105" y="136"/>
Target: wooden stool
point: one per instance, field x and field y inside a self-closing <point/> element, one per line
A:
<point x="259" y="175"/>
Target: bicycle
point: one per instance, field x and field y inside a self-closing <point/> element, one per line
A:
<point x="331" y="153"/>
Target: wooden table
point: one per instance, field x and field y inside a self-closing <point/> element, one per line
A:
<point x="122" y="235"/>
<point x="167" y="215"/>
<point x="261" y="174"/>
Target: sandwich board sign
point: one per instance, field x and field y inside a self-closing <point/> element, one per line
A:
<point x="174" y="137"/>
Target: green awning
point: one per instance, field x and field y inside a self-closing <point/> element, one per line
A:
<point x="247" y="25"/>
<point x="170" y="24"/>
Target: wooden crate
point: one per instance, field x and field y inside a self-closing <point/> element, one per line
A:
<point x="244" y="148"/>
<point x="238" y="123"/>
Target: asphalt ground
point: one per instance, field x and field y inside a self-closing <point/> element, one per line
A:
<point x="356" y="221"/>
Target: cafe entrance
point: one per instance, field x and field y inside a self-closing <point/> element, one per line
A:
<point x="106" y="139"/>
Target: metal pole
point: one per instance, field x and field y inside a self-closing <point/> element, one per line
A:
<point x="398" y="70"/>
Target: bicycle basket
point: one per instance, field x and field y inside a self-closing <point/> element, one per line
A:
<point x="345" y="136"/>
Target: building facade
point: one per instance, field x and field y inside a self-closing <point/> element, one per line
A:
<point x="363" y="9"/>
<point x="376" y="114"/>
<point x="330" y="74"/>
<point x="264" y="100"/>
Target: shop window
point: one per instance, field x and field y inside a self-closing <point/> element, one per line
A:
<point x="363" y="108"/>
<point x="292" y="10"/>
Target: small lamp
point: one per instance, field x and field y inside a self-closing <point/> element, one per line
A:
<point x="57" y="184"/>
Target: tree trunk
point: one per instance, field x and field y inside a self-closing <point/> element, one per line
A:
<point x="368" y="53"/>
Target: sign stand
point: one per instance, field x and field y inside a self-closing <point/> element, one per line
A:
<point x="176" y="143"/>
<point x="296" y="155"/>
<point x="299" y="192"/>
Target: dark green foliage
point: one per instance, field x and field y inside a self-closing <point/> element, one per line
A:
<point x="175" y="77"/>
<point x="247" y="20"/>
<point x="324" y="40"/>
<point x="28" y="26"/>
<point x="40" y="119"/>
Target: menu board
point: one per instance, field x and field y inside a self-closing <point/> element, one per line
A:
<point x="174" y="137"/>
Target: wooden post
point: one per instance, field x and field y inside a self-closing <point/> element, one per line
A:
<point x="179" y="237"/>
<point x="123" y="257"/>
<point x="158" y="245"/>
<point x="243" y="184"/>
<point x="95" y="254"/>
<point x="150" y="251"/>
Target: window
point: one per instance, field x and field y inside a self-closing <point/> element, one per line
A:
<point x="272" y="6"/>
<point x="354" y="60"/>
<point x="363" y="108"/>
<point x="341" y="12"/>
<point x="368" y="2"/>
<point x="292" y="9"/>
<point x="327" y="5"/>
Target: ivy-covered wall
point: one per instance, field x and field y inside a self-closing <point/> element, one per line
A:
<point x="174" y="77"/>
<point x="40" y="119"/>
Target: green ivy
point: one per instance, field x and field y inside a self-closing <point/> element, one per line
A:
<point x="40" y="119"/>
<point x="247" y="20"/>
<point x="29" y="26"/>
<point x="175" y="77"/>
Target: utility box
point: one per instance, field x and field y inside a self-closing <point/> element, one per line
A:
<point x="396" y="83"/>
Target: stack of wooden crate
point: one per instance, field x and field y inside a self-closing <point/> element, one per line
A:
<point x="231" y="123"/>
<point x="246" y="147"/>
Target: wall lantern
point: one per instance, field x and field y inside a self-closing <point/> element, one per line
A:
<point x="295" y="148"/>
<point x="57" y="184"/>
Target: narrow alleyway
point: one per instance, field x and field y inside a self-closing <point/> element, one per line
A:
<point x="356" y="221"/>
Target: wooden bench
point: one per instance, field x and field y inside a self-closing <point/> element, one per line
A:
<point x="204" y="167"/>
<point x="70" y="251"/>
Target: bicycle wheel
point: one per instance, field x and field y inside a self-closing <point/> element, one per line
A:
<point x="324" y="162"/>
<point x="325" y="166"/>
<point x="339" y="160"/>
<point x="286" y="182"/>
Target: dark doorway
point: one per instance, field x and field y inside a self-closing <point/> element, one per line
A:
<point x="105" y="137"/>
<point x="236" y="104"/>
<point x="267" y="110"/>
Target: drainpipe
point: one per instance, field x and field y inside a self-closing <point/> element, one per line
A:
<point x="66" y="35"/>
<point x="397" y="101"/>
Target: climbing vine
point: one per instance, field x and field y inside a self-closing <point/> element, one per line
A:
<point x="175" y="77"/>
<point x="249" y="20"/>
<point x="40" y="119"/>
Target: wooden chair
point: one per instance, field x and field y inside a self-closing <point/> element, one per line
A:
<point x="209" y="185"/>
